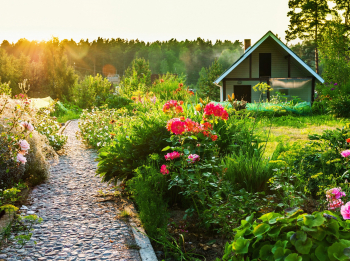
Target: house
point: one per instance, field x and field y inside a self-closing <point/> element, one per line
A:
<point x="271" y="61"/>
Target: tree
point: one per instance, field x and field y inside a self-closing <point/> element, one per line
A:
<point x="309" y="22"/>
<point x="344" y="7"/>
<point x="206" y="78"/>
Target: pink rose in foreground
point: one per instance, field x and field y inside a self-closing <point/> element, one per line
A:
<point x="337" y="203"/>
<point x="335" y="193"/>
<point x="345" y="211"/>
<point x="27" y="125"/>
<point x="164" y="170"/>
<point x="21" y="158"/>
<point x="24" y="145"/>
<point x="193" y="158"/>
<point x="345" y="153"/>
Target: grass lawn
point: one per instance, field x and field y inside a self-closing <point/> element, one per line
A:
<point x="294" y="128"/>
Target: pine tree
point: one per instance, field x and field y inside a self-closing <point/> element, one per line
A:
<point x="206" y="78"/>
<point x="309" y="22"/>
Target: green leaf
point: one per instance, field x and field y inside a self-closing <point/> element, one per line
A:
<point x="314" y="220"/>
<point x="281" y="253"/>
<point x="319" y="234"/>
<point x="308" y="229"/>
<point x="335" y="251"/>
<point x="265" y="252"/>
<point x="270" y="216"/>
<point x="303" y="247"/>
<point x="250" y="218"/>
<point x="321" y="253"/>
<point x="240" y="246"/>
<point x="166" y="148"/>
<point x="293" y="257"/>
<point x="261" y="229"/>
<point x="333" y="227"/>
<point x="194" y="137"/>
<point x="278" y="244"/>
<point x="186" y="151"/>
<point x="274" y="232"/>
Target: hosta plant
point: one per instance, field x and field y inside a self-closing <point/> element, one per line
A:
<point x="292" y="236"/>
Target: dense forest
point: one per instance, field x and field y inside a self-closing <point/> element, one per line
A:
<point x="44" y="63"/>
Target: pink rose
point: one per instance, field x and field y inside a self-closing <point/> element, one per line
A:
<point x="24" y="145"/>
<point x="337" y="203"/>
<point x="27" y="125"/>
<point x="193" y="158"/>
<point x="21" y="158"/>
<point x="345" y="211"/>
<point x="335" y="193"/>
<point x="345" y="153"/>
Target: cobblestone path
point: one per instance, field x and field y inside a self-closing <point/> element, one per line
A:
<point x="75" y="226"/>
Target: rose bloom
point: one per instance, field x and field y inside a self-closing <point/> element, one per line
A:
<point x="214" y="137"/>
<point x="193" y="158"/>
<point x="27" y="125"/>
<point x="348" y="140"/>
<point x="172" y="155"/>
<point x="164" y="170"/>
<point x="335" y="193"/>
<point x="345" y="153"/>
<point x="24" y="145"/>
<point x="21" y="158"/>
<point x="345" y="211"/>
<point x="178" y="127"/>
<point x="336" y="203"/>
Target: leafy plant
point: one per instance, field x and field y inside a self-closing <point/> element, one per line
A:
<point x="292" y="236"/>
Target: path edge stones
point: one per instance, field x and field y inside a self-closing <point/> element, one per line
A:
<point x="146" y="250"/>
<point x="61" y="130"/>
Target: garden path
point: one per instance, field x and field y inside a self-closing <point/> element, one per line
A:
<point x="75" y="226"/>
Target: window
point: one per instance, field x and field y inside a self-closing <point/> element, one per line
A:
<point x="264" y="64"/>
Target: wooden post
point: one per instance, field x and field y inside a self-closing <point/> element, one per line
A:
<point x="268" y="91"/>
<point x="313" y="89"/>
<point x="224" y="90"/>
<point x="250" y="66"/>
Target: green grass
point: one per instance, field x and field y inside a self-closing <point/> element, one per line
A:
<point x="69" y="115"/>
<point x="294" y="128"/>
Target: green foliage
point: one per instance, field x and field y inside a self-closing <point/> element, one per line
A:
<point x="137" y="77"/>
<point x="206" y="78"/>
<point x="293" y="236"/>
<point x="131" y="146"/>
<point x="170" y="87"/>
<point x="90" y="91"/>
<point x="5" y="88"/>
<point x="148" y="188"/>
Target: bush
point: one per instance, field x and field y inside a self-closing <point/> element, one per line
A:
<point x="293" y="236"/>
<point x="90" y="91"/>
<point x="148" y="189"/>
<point x="131" y="147"/>
<point x="340" y="106"/>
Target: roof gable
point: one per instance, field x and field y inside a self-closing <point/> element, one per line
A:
<point x="256" y="45"/>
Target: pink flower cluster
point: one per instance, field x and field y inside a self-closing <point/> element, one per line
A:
<point x="216" y="110"/>
<point x="345" y="153"/>
<point x="193" y="158"/>
<point x="176" y="126"/>
<point x="333" y="197"/>
<point x="173" y="155"/>
<point x="24" y="146"/>
<point x="173" y="106"/>
<point x="27" y="125"/>
<point x="181" y="125"/>
<point x="164" y="170"/>
<point x="345" y="211"/>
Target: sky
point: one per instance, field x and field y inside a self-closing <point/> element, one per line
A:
<point x="148" y="21"/>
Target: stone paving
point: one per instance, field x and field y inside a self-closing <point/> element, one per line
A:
<point x="75" y="226"/>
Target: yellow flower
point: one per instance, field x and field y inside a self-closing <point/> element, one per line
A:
<point x="198" y="107"/>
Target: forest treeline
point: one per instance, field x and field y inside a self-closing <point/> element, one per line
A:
<point x="47" y="64"/>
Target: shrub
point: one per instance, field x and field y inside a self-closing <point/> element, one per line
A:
<point x="148" y="188"/>
<point x="131" y="146"/>
<point x="291" y="236"/>
<point x="90" y="90"/>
